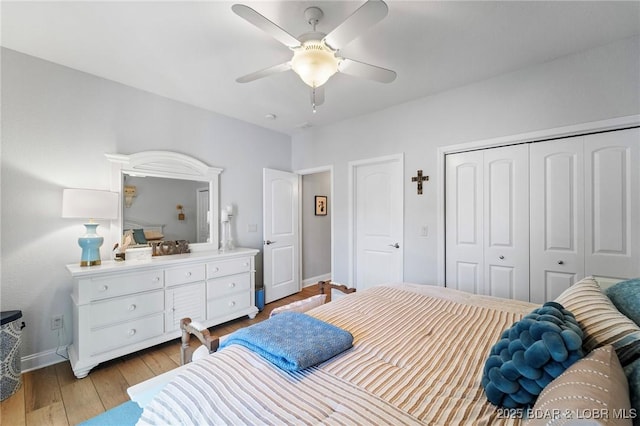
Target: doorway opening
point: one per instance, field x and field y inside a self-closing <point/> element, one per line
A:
<point x="316" y="225"/>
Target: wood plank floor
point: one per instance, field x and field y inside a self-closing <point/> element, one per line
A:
<point x="53" y="396"/>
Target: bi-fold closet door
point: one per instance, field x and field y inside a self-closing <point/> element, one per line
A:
<point x="527" y="221"/>
<point x="487" y="221"/>
<point x="585" y="211"/>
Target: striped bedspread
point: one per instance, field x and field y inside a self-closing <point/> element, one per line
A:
<point x="417" y="359"/>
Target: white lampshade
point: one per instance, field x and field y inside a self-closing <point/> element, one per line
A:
<point x="89" y="204"/>
<point x="314" y="63"/>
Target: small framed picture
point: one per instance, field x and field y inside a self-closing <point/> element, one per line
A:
<point x="321" y="205"/>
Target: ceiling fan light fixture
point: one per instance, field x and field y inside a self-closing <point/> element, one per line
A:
<point x="314" y="62"/>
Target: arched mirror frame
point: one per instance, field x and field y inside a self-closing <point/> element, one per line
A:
<point x="167" y="164"/>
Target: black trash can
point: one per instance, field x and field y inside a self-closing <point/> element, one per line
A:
<point x="10" y="340"/>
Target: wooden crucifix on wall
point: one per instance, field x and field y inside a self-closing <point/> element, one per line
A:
<point x="419" y="179"/>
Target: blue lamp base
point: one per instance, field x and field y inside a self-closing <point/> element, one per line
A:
<point x="90" y="243"/>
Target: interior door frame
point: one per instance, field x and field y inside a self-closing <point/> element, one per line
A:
<point x="332" y="200"/>
<point x="537" y="136"/>
<point x="352" y="166"/>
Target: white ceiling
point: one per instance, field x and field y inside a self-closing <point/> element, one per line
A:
<point x="194" y="51"/>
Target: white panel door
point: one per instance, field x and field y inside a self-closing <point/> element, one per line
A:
<point x="506" y="222"/>
<point x="612" y="204"/>
<point x="557" y="217"/>
<point x="281" y="234"/>
<point x="464" y="221"/>
<point x="378" y="223"/>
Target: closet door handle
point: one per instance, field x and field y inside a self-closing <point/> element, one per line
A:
<point x="560" y="262"/>
<point x="396" y="245"/>
<point x="501" y="257"/>
<point x="269" y="242"/>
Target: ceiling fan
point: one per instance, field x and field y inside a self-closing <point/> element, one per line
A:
<point x="315" y="54"/>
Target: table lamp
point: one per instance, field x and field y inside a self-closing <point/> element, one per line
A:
<point x="90" y="204"/>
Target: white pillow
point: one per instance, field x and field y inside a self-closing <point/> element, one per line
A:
<point x="301" y="305"/>
<point x="201" y="352"/>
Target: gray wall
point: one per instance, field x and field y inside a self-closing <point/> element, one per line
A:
<point x="598" y="84"/>
<point x="316" y="230"/>
<point x="57" y="124"/>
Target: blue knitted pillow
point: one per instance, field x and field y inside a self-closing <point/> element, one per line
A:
<point x="530" y="354"/>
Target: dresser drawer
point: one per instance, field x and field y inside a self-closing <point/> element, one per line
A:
<point x="118" y="285"/>
<point x="220" y="287"/>
<point x="126" y="308"/>
<point x="226" y="305"/>
<point x="124" y="334"/>
<point x="184" y="274"/>
<point x="228" y="267"/>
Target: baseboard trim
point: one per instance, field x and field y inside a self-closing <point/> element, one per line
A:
<point x="43" y="359"/>
<point x="311" y="281"/>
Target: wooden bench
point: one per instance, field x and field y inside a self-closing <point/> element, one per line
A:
<point x="209" y="344"/>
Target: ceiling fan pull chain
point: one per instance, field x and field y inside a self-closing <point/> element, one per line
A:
<point x="313" y="99"/>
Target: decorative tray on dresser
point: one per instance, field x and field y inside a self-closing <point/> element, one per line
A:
<point x="123" y="307"/>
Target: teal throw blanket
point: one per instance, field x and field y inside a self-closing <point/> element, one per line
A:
<point x="292" y="341"/>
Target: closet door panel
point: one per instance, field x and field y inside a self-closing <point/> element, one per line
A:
<point x="612" y="234"/>
<point x="464" y="215"/>
<point x="555" y="283"/>
<point x="506" y="224"/>
<point x="557" y="217"/>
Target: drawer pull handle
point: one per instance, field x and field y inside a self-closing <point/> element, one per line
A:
<point x="232" y="285"/>
<point x="232" y="303"/>
<point x="156" y="279"/>
<point x="187" y="274"/>
<point x="132" y="332"/>
<point x="216" y="269"/>
<point x="104" y="288"/>
<point x="132" y="307"/>
<point x="245" y="264"/>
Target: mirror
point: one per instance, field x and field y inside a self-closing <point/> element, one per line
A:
<point x="169" y="209"/>
<point x="170" y="196"/>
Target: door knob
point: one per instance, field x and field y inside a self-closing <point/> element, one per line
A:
<point x="268" y="242"/>
<point x="501" y="257"/>
<point x="560" y="262"/>
<point x="396" y="245"/>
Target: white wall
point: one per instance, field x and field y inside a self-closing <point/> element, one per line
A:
<point x="57" y="124"/>
<point x="598" y="84"/>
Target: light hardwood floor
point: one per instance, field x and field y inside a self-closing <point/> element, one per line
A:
<point x="53" y="396"/>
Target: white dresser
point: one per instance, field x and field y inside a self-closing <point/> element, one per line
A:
<point x="123" y="307"/>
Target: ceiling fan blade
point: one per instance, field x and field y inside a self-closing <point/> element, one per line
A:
<point x="317" y="96"/>
<point x="265" y="72"/>
<point x="265" y="25"/>
<point x="368" y="14"/>
<point x="370" y="72"/>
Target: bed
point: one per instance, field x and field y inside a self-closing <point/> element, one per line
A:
<point x="417" y="358"/>
<point x="146" y="231"/>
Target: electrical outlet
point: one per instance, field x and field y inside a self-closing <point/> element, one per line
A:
<point x="57" y="322"/>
